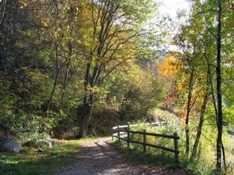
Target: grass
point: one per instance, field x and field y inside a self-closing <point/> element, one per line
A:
<point x="138" y="157"/>
<point x="30" y="162"/>
<point x="154" y="159"/>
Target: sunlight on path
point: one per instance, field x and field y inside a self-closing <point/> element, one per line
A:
<point x="97" y="157"/>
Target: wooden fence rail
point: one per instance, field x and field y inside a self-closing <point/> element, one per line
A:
<point x="123" y="133"/>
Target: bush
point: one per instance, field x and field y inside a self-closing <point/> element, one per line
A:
<point x="103" y="120"/>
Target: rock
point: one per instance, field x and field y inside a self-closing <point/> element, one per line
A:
<point x="41" y="143"/>
<point x="230" y="131"/>
<point x="49" y="144"/>
<point x="10" y="145"/>
<point x="225" y="123"/>
<point x="46" y="143"/>
<point x="40" y="150"/>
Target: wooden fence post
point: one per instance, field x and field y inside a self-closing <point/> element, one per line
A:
<point x="112" y="136"/>
<point x="113" y="133"/>
<point x="128" y="136"/>
<point x="176" y="148"/>
<point x="144" y="141"/>
<point x="118" y="132"/>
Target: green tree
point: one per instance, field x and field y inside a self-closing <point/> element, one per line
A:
<point x="109" y="42"/>
<point x="19" y="92"/>
<point x="202" y="35"/>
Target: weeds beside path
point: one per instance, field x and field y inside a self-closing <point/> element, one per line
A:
<point x="97" y="157"/>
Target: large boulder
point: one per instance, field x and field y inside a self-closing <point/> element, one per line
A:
<point x="9" y="145"/>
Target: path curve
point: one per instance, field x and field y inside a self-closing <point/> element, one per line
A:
<point x="99" y="158"/>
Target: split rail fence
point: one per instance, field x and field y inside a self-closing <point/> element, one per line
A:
<point x="123" y="133"/>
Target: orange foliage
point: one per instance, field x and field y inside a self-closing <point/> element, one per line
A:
<point x="169" y="67"/>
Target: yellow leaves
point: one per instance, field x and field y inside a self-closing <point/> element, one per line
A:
<point x="68" y="27"/>
<point x="36" y="75"/>
<point x="183" y="83"/>
<point x="168" y="68"/>
<point x="44" y="24"/>
<point x="97" y="90"/>
<point x="94" y="89"/>
<point x="135" y="72"/>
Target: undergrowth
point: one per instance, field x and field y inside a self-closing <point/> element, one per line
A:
<point x="31" y="162"/>
<point x="135" y="155"/>
<point x="203" y="165"/>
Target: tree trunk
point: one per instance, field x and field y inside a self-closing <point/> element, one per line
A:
<point x="189" y="107"/>
<point x="200" y="125"/>
<point x="3" y="13"/>
<point x="219" y="116"/>
<point x="67" y="72"/>
<point x="87" y="102"/>
<point x="65" y="83"/>
<point x="47" y="106"/>
<point x="86" y="116"/>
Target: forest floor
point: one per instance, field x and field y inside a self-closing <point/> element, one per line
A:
<point x="97" y="157"/>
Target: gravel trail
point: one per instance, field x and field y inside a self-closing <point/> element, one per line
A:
<point x="99" y="158"/>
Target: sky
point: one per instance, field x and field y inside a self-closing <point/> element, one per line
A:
<point x="172" y="6"/>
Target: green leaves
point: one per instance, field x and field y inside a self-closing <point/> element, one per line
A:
<point x="47" y="49"/>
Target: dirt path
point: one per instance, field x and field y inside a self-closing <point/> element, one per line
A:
<point x="99" y="158"/>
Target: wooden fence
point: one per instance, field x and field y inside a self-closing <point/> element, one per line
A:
<point x="123" y="133"/>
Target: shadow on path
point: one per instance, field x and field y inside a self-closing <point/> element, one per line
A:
<point x="99" y="158"/>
